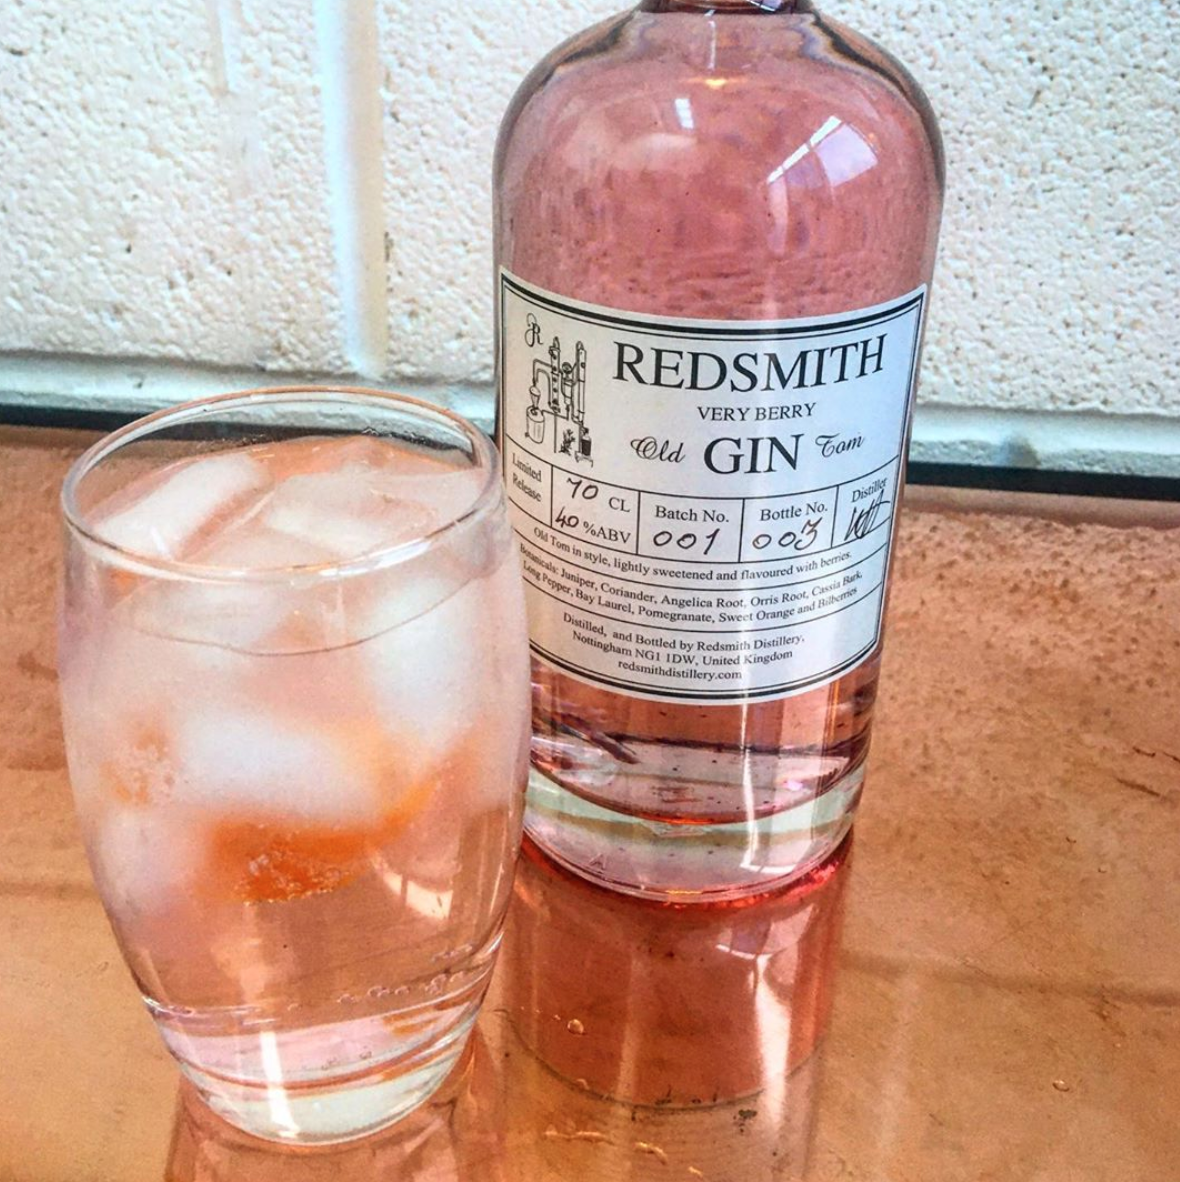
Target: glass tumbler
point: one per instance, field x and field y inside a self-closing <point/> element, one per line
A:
<point x="295" y="692"/>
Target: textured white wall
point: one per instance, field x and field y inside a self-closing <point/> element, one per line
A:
<point x="1059" y="284"/>
<point x="163" y="185"/>
<point x="302" y="186"/>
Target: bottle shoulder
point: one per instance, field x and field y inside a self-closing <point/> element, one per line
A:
<point x="730" y="168"/>
<point x="694" y="77"/>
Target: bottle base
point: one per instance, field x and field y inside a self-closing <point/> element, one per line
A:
<point x="685" y="862"/>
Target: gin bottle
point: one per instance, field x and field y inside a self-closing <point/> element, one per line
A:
<point x="716" y="226"/>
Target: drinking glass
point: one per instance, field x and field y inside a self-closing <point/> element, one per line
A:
<point x="294" y="680"/>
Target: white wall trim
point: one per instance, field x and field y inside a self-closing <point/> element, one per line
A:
<point x="1062" y="441"/>
<point x="1140" y="445"/>
<point x="132" y="386"/>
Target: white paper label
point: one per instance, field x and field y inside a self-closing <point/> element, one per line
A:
<point x="705" y="508"/>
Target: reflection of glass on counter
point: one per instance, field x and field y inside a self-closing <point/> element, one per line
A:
<point x="670" y="1036"/>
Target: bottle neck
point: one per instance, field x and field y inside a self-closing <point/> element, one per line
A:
<point x="735" y="7"/>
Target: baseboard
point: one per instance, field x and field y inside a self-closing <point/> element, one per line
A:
<point x="1071" y="453"/>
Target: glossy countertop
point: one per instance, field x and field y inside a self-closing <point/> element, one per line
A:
<point x="983" y="984"/>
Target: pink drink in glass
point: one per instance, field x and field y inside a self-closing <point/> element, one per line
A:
<point x="295" y="701"/>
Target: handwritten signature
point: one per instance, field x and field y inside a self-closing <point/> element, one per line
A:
<point x="866" y="519"/>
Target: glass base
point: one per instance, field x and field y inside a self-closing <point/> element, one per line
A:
<point x="347" y="1105"/>
<point x="686" y="862"/>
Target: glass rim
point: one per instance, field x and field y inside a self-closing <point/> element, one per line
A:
<point x="483" y="450"/>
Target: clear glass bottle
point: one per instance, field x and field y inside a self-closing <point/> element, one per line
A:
<point x="677" y="179"/>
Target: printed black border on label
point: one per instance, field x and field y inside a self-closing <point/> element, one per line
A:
<point x="704" y="330"/>
<point x="774" y="691"/>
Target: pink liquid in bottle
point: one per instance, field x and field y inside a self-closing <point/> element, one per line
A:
<point x="666" y="182"/>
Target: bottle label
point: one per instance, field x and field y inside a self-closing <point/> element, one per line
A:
<point x="705" y="508"/>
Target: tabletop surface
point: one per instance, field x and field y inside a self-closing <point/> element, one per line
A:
<point x="983" y="985"/>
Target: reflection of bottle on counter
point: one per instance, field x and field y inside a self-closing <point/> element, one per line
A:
<point x="669" y="1027"/>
